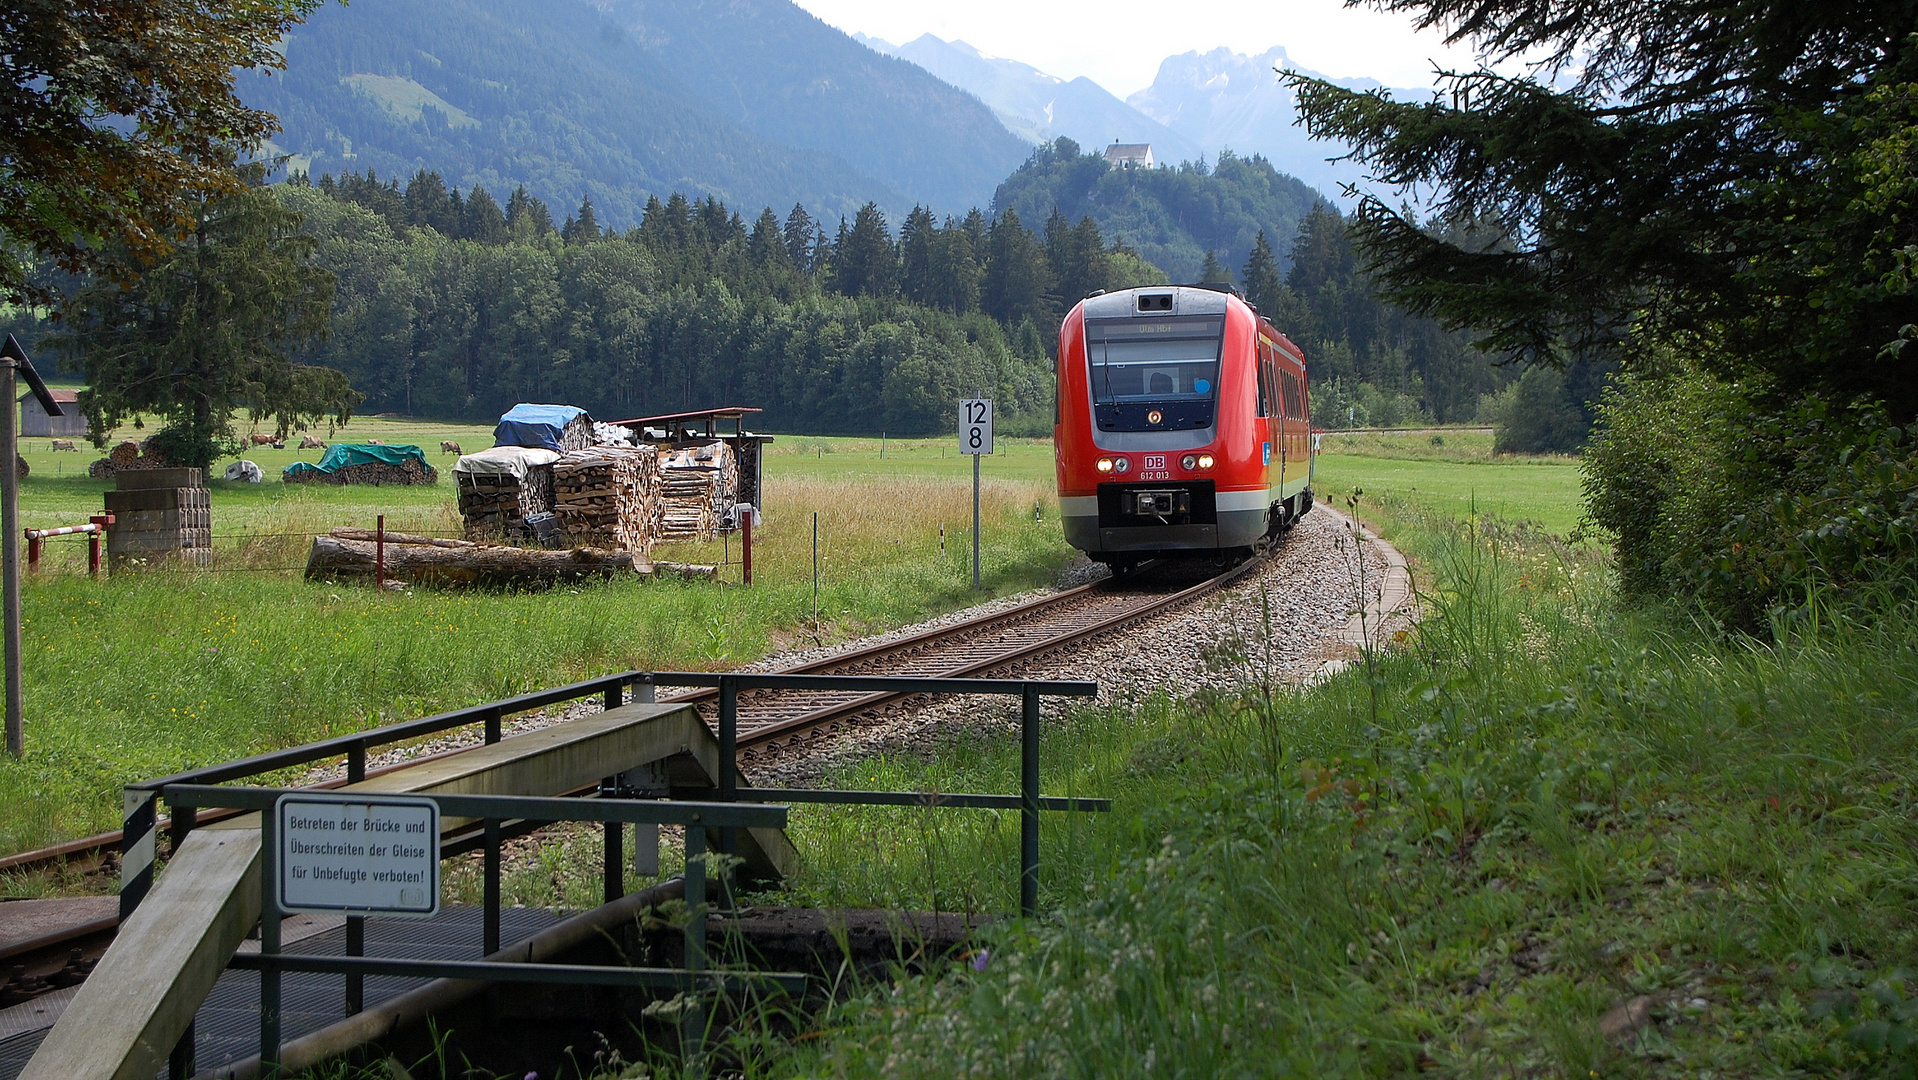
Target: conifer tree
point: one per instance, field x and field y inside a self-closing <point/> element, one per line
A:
<point x="482" y="219"/>
<point x="864" y="262"/>
<point x="916" y="240"/>
<point x="1018" y="281"/>
<point x="1260" y="279"/>
<point x="1214" y="271"/>
<point x="582" y="228"/>
<point x="800" y="233"/>
<point x="209" y="331"/>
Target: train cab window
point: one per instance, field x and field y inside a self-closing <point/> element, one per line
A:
<point x="1154" y="374"/>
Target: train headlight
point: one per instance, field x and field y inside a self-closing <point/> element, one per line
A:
<point x="1205" y="461"/>
<point x="1121" y="465"/>
<point x="1104" y="464"/>
<point x="1190" y="461"/>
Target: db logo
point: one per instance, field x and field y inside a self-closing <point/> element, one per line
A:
<point x="1152" y="462"/>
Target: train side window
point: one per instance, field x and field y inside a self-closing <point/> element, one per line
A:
<point x="1292" y="410"/>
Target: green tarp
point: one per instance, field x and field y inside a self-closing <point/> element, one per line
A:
<point x="340" y="455"/>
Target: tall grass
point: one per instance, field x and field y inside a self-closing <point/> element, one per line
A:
<point x="144" y="674"/>
<point x="1575" y="841"/>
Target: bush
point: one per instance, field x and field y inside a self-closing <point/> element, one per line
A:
<point x="1537" y="414"/>
<point x="1750" y="507"/>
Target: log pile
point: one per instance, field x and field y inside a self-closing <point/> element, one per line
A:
<point x="128" y="455"/>
<point x="696" y="490"/>
<point x="348" y="554"/>
<point x="498" y="505"/>
<point x="608" y="497"/>
<point x="577" y="434"/>
<point x="410" y="471"/>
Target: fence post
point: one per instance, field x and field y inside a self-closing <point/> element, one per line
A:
<point x="355" y="924"/>
<point x="490" y="930"/>
<point x="614" y="854"/>
<point x="644" y="692"/>
<point x="692" y="1028"/>
<point x="33" y="550"/>
<point x="269" y="945"/>
<point x="1029" y="794"/>
<point x="379" y="552"/>
<point x="746" y="546"/>
<point x="728" y="770"/>
<point x="136" y="848"/>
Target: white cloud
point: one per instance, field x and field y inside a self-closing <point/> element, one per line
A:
<point x="1119" y="43"/>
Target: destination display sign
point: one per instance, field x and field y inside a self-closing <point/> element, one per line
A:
<point x="358" y="854"/>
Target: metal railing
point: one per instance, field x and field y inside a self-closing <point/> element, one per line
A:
<point x="188" y="792"/>
<point x="695" y="817"/>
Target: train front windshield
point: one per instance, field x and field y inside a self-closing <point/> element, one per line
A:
<point x="1154" y="374"/>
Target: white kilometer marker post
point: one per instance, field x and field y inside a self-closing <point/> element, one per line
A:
<point x="975" y="438"/>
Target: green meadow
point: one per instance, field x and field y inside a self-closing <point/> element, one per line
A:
<point x="144" y="674"/>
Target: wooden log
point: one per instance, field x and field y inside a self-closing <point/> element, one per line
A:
<point x="498" y="566"/>
<point x="347" y="533"/>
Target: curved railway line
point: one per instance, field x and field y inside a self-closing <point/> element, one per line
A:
<point x="771" y="720"/>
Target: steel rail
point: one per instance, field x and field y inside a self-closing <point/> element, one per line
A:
<point x="1147" y="607"/>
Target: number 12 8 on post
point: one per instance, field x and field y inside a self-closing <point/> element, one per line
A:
<point x="975" y="426"/>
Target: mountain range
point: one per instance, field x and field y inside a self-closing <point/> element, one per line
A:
<point x="1039" y="107"/>
<point x="1199" y="104"/>
<point x="753" y="101"/>
<point x="1226" y="99"/>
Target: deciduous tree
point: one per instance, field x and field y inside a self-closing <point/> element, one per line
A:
<point x="116" y="118"/>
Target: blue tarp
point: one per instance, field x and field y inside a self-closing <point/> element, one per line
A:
<point x="340" y="455"/>
<point x="535" y="425"/>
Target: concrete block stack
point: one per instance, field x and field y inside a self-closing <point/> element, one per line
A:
<point x="160" y="515"/>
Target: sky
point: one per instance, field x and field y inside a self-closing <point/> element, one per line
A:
<point x="1119" y="43"/>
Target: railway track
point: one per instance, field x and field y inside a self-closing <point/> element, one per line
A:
<point x="770" y="720"/>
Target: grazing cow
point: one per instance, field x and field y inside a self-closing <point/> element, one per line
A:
<point x="312" y="442"/>
<point x="261" y="440"/>
<point x="448" y="446"/>
<point x="64" y="444"/>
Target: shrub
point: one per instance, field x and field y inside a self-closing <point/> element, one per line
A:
<point x="1715" y="491"/>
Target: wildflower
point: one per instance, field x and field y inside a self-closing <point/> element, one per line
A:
<point x="980" y="959"/>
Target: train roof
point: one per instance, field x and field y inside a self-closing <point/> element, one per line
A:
<point x="1186" y="300"/>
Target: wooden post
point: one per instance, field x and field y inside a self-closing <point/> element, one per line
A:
<point x="379" y="552"/>
<point x="746" y="546"/>
<point x="10" y="552"/>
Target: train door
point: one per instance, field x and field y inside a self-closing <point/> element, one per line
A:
<point x="1272" y="413"/>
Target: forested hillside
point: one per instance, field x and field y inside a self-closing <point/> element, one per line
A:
<point x="450" y="305"/>
<point x="1172" y="215"/>
<point x="1371" y="363"/>
<point x="774" y="70"/>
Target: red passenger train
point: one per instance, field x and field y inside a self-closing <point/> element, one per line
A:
<point x="1183" y="426"/>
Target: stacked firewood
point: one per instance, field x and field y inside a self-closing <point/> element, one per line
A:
<point x="496" y="506"/>
<point x="577" y="434"/>
<point x="410" y="471"/>
<point x="608" y="497"/>
<point x="128" y="455"/>
<point x="696" y="490"/>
